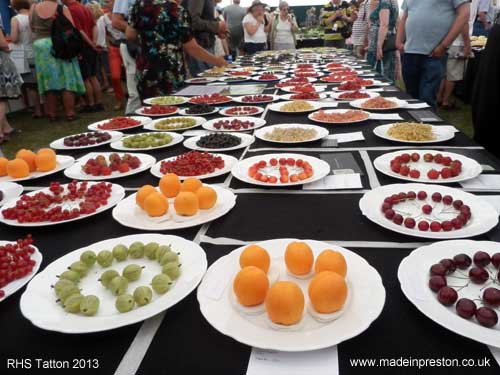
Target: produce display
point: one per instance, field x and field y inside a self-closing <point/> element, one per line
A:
<point x="306" y="74"/>
<point x="257" y="99"/>
<point x="292" y="82"/>
<point x="27" y="162"/>
<point x="167" y="100"/>
<point x="210" y="99"/>
<point x="353" y="95"/>
<point x="411" y="131"/>
<point x="234" y="124"/>
<point x="267" y="76"/>
<point x="403" y="165"/>
<point x="193" y="163"/>
<point x="159" y="109"/>
<point x="305" y="96"/>
<point x="86" y="139"/>
<point x="304" y="88"/>
<point x="379" y="103"/>
<point x="99" y="166"/>
<point x="338" y="77"/>
<point x="300" y="170"/>
<point x="340" y="117"/>
<point x="175" y="123"/>
<point x="119" y="123"/>
<point x="200" y="109"/>
<point x="296" y="106"/>
<point x="240" y="73"/>
<point x="242" y="111"/>
<point x="218" y="140"/>
<point x="147" y="140"/>
<point x="361" y="81"/>
<point x="350" y="86"/>
<point x="291" y="134"/>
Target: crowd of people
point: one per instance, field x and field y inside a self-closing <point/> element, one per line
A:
<point x="157" y="44"/>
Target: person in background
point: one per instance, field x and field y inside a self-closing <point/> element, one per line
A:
<point x="482" y="23"/>
<point x="311" y="18"/>
<point x="53" y="75"/>
<point x="128" y="50"/>
<point x="382" y="30"/>
<point x="360" y="30"/>
<point x="233" y="14"/>
<point x="85" y="23"/>
<point x="335" y="19"/>
<point x="100" y="43"/>
<point x="255" y="26"/>
<point x="21" y="37"/>
<point x="458" y="53"/>
<point x="486" y="93"/>
<point x="426" y="29"/>
<point x="162" y="30"/>
<point x="221" y="47"/>
<point x="205" y="28"/>
<point x="10" y="85"/>
<point x="283" y="29"/>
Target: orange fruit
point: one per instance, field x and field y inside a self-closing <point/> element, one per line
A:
<point x="327" y="292"/>
<point x="331" y="260"/>
<point x="3" y="166"/>
<point x="186" y="203"/>
<point x="207" y="197"/>
<point x="155" y="204"/>
<point x="18" y="168"/>
<point x="142" y="193"/>
<point x="299" y="258"/>
<point x="254" y="255"/>
<point x="45" y="161"/>
<point x="28" y="156"/>
<point x="191" y="184"/>
<point x="250" y="286"/>
<point x="170" y="185"/>
<point x="46" y="150"/>
<point x="285" y="303"/>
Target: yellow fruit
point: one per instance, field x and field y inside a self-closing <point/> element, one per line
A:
<point x="250" y="286"/>
<point x="331" y="260"/>
<point x="170" y="185"/>
<point x="155" y="204"/>
<point x="142" y="193"/>
<point x="327" y="292"/>
<point x="207" y="197"/>
<point x="45" y="162"/>
<point x="28" y="156"/>
<point x="254" y="255"/>
<point x="191" y="184"/>
<point x="285" y="303"/>
<point x="3" y="166"/>
<point x="299" y="258"/>
<point x="18" y="168"/>
<point x="186" y="203"/>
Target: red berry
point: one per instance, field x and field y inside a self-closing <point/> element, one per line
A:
<point x="427" y="209"/>
<point x="415" y="156"/>
<point x="397" y="219"/>
<point x="435" y="226"/>
<point x="422" y="195"/>
<point x="433" y="174"/>
<point x="273" y="162"/>
<point x="446" y="173"/>
<point x="423" y="226"/>
<point x="428" y="157"/>
<point x="414" y="173"/>
<point x="404" y="171"/>
<point x="409" y="222"/>
<point x="436" y="197"/>
<point x="448" y="200"/>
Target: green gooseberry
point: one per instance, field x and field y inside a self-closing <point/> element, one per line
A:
<point x="124" y="303"/>
<point x="107" y="276"/>
<point x="150" y="250"/>
<point x="136" y="250"/>
<point x="161" y="283"/>
<point x="120" y="252"/>
<point x="143" y="295"/>
<point x="105" y="258"/>
<point x="172" y="270"/>
<point x="89" y="305"/>
<point x="118" y="285"/>
<point x="89" y="258"/>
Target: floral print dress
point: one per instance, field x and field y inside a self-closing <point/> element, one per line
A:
<point x="163" y="27"/>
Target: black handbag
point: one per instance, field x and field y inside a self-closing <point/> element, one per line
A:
<point x="389" y="43"/>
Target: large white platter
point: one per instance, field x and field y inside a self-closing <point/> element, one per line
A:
<point x="15" y="285"/>
<point x="258" y="122"/>
<point x="38" y="301"/>
<point x="151" y="125"/>
<point x="367" y="298"/>
<point x="442" y="134"/>
<point x="143" y="121"/>
<point x="117" y="194"/>
<point x="62" y="162"/>
<point x="129" y="214"/>
<point x="336" y="95"/>
<point x="413" y="275"/>
<point x="484" y="215"/>
<point x="470" y="167"/>
<point x="276" y="107"/>
<point x="176" y="138"/>
<point x="329" y="111"/>
<point x="246" y="140"/>
<point x="76" y="172"/>
<point x="239" y="99"/>
<point x="229" y="161"/>
<point x="278" y="77"/>
<point x="320" y="169"/>
<point x="320" y="132"/>
<point x="224" y="111"/>
<point x="358" y="103"/>
<point x="142" y="113"/>
<point x="58" y="144"/>
<point x="10" y="191"/>
<point x="181" y="100"/>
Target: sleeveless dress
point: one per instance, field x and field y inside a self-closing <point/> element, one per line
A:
<point x="10" y="80"/>
<point x="25" y="42"/>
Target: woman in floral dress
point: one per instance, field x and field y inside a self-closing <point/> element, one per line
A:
<point x="162" y="29"/>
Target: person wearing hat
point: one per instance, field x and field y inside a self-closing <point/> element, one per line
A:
<point x="256" y="26"/>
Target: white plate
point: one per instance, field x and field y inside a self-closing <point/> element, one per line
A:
<point x="258" y="122"/>
<point x="246" y="140"/>
<point x="278" y="77"/>
<point x="38" y="301"/>
<point x="318" y="88"/>
<point x="129" y="214"/>
<point x="151" y="125"/>
<point x="320" y="169"/>
<point x="336" y="95"/>
<point x="336" y="88"/>
<point x="228" y="99"/>
<point x="311" y="117"/>
<point x="192" y="81"/>
<point x="374" y="83"/>
<point x="176" y="138"/>
<point x="229" y="161"/>
<point x="233" y="79"/>
<point x="143" y="121"/>
<point x="470" y="167"/>
<point x="10" y="191"/>
<point x="358" y="103"/>
<point x="320" y="132"/>
<point x="318" y="74"/>
<point x="76" y="172"/>
<point x="276" y="107"/>
<point x="310" y="79"/>
<point x="117" y="194"/>
<point x="223" y="111"/>
<point x="62" y="162"/>
<point x="484" y="216"/>
<point x="182" y="100"/>
<point x="182" y="112"/>
<point x="15" y="285"/>
<point x="140" y="112"/>
<point x="289" y="97"/>
<point x="58" y="144"/>
<point x="442" y="134"/>
<point x="413" y="275"/>
<point x="367" y="298"/>
<point x="239" y="99"/>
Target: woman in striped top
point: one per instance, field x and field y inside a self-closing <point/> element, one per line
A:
<point x="360" y="29"/>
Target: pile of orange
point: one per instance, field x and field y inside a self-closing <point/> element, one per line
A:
<point x="26" y="162"/>
<point x="189" y="196"/>
<point x="284" y="300"/>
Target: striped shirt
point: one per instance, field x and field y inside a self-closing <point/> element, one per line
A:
<point x="359" y="27"/>
<point x="332" y="30"/>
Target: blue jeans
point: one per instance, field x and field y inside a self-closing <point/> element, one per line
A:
<point x="197" y="66"/>
<point x="479" y="30"/>
<point x="387" y="61"/>
<point x="422" y="76"/>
